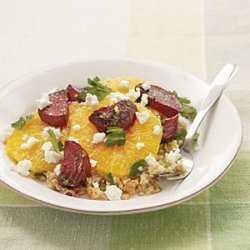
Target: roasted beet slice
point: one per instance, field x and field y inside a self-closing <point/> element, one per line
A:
<point x="57" y="113"/>
<point x="162" y="100"/>
<point x="73" y="93"/>
<point x="169" y="126"/>
<point x="121" y="114"/>
<point x="75" y="165"/>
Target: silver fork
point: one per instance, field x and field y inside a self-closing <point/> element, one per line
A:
<point x="214" y="92"/>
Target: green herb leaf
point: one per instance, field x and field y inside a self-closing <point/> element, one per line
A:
<point x="180" y="134"/>
<point x="109" y="178"/>
<point x="95" y="88"/>
<point x="187" y="111"/>
<point x="134" y="170"/>
<point x="19" y="124"/>
<point x="57" y="145"/>
<point x="116" y="136"/>
<point x="195" y="139"/>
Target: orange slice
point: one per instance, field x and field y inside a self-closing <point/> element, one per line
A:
<point x="114" y="83"/>
<point x="35" y="154"/>
<point x="117" y="159"/>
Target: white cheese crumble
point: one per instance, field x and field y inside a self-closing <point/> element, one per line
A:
<point x="91" y="100"/>
<point x="44" y="101"/>
<point x="23" y="167"/>
<point x="49" y="155"/>
<point x="57" y="169"/>
<point x="142" y="116"/>
<point x="156" y="130"/>
<point x="151" y="161"/>
<point x="93" y="163"/>
<point x="76" y="127"/>
<point x="140" y="168"/>
<point x="146" y="85"/>
<point x="56" y="131"/>
<point x="140" y="145"/>
<point x="117" y="96"/>
<point x="124" y="84"/>
<point x="113" y="193"/>
<point x="133" y="95"/>
<point x="95" y="184"/>
<point x="30" y="143"/>
<point x="73" y="139"/>
<point x="98" y="138"/>
<point x="6" y="134"/>
<point x="144" y="99"/>
<point x="25" y="137"/>
<point x="173" y="156"/>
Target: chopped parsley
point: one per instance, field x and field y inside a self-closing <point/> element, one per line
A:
<point x="57" y="145"/>
<point x="95" y="88"/>
<point x="182" y="133"/>
<point x="19" y="124"/>
<point x="135" y="168"/>
<point x="116" y="136"/>
<point x="187" y="111"/>
<point x="109" y="178"/>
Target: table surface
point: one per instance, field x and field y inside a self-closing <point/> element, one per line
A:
<point x="199" y="36"/>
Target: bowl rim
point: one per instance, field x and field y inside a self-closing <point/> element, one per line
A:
<point x="41" y="70"/>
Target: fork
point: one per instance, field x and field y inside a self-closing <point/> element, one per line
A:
<point x="214" y="92"/>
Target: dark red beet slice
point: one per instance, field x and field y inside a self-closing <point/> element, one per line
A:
<point x="57" y="113"/>
<point x="75" y="166"/>
<point x="169" y="126"/>
<point x="121" y="114"/>
<point x="73" y="93"/>
<point x="162" y="100"/>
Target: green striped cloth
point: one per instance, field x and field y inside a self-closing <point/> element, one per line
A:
<point x="198" y="36"/>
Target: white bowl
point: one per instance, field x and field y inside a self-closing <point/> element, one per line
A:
<point x="219" y="141"/>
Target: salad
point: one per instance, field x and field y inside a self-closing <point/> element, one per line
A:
<point x="109" y="140"/>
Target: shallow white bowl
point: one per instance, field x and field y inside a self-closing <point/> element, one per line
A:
<point x="219" y="141"/>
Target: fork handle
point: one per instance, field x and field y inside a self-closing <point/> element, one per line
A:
<point x="214" y="92"/>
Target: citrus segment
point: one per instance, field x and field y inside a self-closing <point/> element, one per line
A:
<point x="117" y="159"/>
<point x="114" y="83"/>
<point x="35" y="154"/>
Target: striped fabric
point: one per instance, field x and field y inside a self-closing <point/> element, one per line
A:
<point x="196" y="35"/>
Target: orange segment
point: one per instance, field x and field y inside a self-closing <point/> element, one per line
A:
<point x="114" y="83"/>
<point x="35" y="154"/>
<point x="117" y="159"/>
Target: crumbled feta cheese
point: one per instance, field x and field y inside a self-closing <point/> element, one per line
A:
<point x="124" y="84"/>
<point x="44" y="101"/>
<point x="133" y="95"/>
<point x="93" y="163"/>
<point x="23" y="167"/>
<point x="50" y="156"/>
<point x="57" y="169"/>
<point x="142" y="116"/>
<point x="146" y="86"/>
<point x="56" y="131"/>
<point x="91" y="100"/>
<point x="144" y="99"/>
<point x="95" y="184"/>
<point x="117" y="96"/>
<point x="47" y="146"/>
<point x="25" y="137"/>
<point x="73" y="139"/>
<point x="140" y="168"/>
<point x="98" y="138"/>
<point x="140" y="145"/>
<point x="113" y="193"/>
<point x="173" y="156"/>
<point x="156" y="130"/>
<point x="30" y="143"/>
<point x="6" y="134"/>
<point x="151" y="161"/>
<point x="76" y="127"/>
